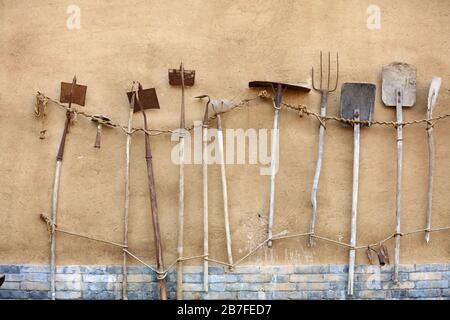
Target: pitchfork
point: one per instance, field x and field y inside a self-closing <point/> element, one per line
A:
<point x="323" y="110"/>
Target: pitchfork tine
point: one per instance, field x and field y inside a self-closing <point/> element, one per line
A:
<point x="337" y="73"/>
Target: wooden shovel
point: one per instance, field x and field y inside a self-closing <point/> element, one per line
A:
<point x="147" y="99"/>
<point x="278" y="89"/>
<point x="70" y="93"/>
<point x="219" y="107"/>
<point x="183" y="78"/>
<point x="357" y="103"/>
<point x="432" y="97"/>
<point x="399" y="90"/>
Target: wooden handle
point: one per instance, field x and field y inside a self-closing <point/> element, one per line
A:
<point x="62" y="144"/>
<point x="98" y="137"/>
<point x="399" y="111"/>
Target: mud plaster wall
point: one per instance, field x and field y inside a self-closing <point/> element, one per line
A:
<point x="228" y="43"/>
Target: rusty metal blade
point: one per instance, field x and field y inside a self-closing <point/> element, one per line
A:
<point x="147" y="97"/>
<point x="79" y="93"/>
<point x="175" y="77"/>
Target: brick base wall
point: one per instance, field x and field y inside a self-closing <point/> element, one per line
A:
<point x="427" y="281"/>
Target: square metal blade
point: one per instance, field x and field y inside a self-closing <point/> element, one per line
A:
<point x="358" y="96"/>
<point x="148" y="98"/>
<point x="398" y="75"/>
<point x="78" y="96"/>
<point x="175" y="77"/>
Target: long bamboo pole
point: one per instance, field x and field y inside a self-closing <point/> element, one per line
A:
<point x="181" y="194"/>
<point x="127" y="199"/>
<point x="399" y="111"/>
<point x="224" y="189"/>
<point x="55" y="192"/>
<point x="352" y="252"/>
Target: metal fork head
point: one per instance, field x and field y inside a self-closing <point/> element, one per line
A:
<point x="321" y="88"/>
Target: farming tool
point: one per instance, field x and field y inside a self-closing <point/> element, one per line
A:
<point x="70" y="93"/>
<point x="183" y="78"/>
<point x="147" y="99"/>
<point x="357" y="103"/>
<point x="324" y="91"/>
<point x="381" y="252"/>
<point x="220" y="107"/>
<point x="205" y="125"/>
<point x="100" y="121"/>
<point x="132" y="100"/>
<point x="278" y="89"/>
<point x="432" y="98"/>
<point x="399" y="90"/>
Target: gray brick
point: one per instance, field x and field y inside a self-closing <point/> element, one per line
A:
<point x="280" y="287"/>
<point x="141" y="278"/>
<point x="316" y="295"/>
<point x="216" y="278"/>
<point x="339" y="294"/>
<point x="15" y="277"/>
<point x="263" y="277"/>
<point x="13" y="294"/>
<point x="371" y="294"/>
<point x="244" y="286"/>
<point x="366" y="285"/>
<point x="101" y="295"/>
<point x="71" y="269"/>
<point x="231" y="278"/>
<point x="313" y="286"/>
<point x="248" y="295"/>
<point x="432" y="284"/>
<point x="424" y="293"/>
<point x="68" y="295"/>
<point x="302" y="269"/>
<point x="68" y="286"/>
<point x="95" y="286"/>
<point x="341" y="285"/>
<point x="138" y="270"/>
<point x="299" y="295"/>
<point x="68" y="277"/>
<point x="34" y="269"/>
<point x="367" y="269"/>
<point x="277" y="269"/>
<point x="217" y="287"/>
<point x="35" y="286"/>
<point x="414" y="276"/>
<point x="101" y="278"/>
<point x="277" y="295"/>
<point x="306" y="278"/>
<point x="215" y="270"/>
<point x="193" y="278"/>
<point x="7" y="268"/>
<point x="431" y="267"/>
<point x="193" y="286"/>
<point x="398" y="294"/>
<point x="338" y="268"/>
<point x="10" y="286"/>
<point x="38" y="277"/>
<point x="39" y="295"/>
<point x="114" y="269"/>
<point x="446" y="292"/>
<point x="220" y="296"/>
<point x="192" y="269"/>
<point x="335" y="277"/>
<point x="280" y="278"/>
<point x="446" y="275"/>
<point x="247" y="269"/>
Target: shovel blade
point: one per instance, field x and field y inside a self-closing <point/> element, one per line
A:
<point x="399" y="75"/>
<point x="359" y="96"/>
<point x="175" y="77"/>
<point x="78" y="96"/>
<point x="148" y="98"/>
<point x="433" y="92"/>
